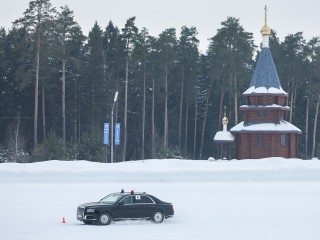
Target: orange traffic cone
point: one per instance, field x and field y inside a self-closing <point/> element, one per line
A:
<point x="63" y="220"/>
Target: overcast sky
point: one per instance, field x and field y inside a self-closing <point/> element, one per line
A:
<point x="284" y="16"/>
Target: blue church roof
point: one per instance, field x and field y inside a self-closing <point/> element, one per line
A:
<point x="265" y="77"/>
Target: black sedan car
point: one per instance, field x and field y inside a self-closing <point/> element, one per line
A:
<point x="123" y="206"/>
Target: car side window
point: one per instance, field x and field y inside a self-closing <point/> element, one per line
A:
<point x="127" y="200"/>
<point x="140" y="199"/>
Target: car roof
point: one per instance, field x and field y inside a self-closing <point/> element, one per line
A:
<point x="130" y="193"/>
<point x="124" y="194"/>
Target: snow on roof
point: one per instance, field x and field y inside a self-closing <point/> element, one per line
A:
<point x="267" y="106"/>
<point x="223" y="136"/>
<point x="283" y="126"/>
<point x="264" y="90"/>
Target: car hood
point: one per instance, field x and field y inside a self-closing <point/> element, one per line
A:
<point x="94" y="204"/>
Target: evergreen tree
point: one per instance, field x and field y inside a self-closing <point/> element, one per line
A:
<point x="141" y="57"/>
<point x="113" y="66"/>
<point x="36" y="21"/>
<point x="166" y="45"/>
<point x="162" y="82"/>
<point x="312" y="89"/>
<point x="128" y="38"/>
<point x="293" y="46"/>
<point x="75" y="73"/>
<point x="16" y="84"/>
<point x="64" y="28"/>
<point x="231" y="52"/>
<point x="5" y="86"/>
<point x="94" y="90"/>
<point x="187" y="52"/>
<point x="112" y="59"/>
<point x="203" y="97"/>
<point x="153" y="58"/>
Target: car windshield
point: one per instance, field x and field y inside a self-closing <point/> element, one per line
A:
<point x="111" y="198"/>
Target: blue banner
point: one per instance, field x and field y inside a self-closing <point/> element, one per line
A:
<point x="106" y="134"/>
<point x="117" y="134"/>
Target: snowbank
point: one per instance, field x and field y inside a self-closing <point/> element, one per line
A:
<point x="269" y="169"/>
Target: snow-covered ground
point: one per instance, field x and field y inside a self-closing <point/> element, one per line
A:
<point x="264" y="199"/>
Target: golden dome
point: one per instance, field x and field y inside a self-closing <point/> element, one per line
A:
<point x="265" y="30"/>
<point x="224" y="120"/>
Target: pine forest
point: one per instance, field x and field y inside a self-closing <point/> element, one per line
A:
<point x="58" y="87"/>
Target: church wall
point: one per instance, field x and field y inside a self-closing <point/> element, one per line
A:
<point x="253" y="116"/>
<point x="269" y="100"/>
<point x="274" y="146"/>
<point x="260" y="151"/>
<point x="282" y="150"/>
<point x="243" y="146"/>
<point x="253" y="100"/>
<point x="248" y="148"/>
<point x="293" y="146"/>
<point x="281" y="101"/>
<point x="266" y="100"/>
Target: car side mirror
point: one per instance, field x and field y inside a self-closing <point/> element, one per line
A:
<point x="121" y="203"/>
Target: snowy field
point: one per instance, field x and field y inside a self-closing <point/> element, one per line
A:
<point x="267" y="199"/>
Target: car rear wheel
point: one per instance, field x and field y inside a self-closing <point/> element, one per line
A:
<point x="105" y="219"/>
<point x="157" y="217"/>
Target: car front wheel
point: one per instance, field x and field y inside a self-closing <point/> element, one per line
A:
<point x="105" y="219"/>
<point x="157" y="217"/>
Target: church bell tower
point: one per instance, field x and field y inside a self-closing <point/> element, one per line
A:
<point x="265" y="131"/>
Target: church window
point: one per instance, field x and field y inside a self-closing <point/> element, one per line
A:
<point x="283" y="139"/>
<point x="260" y="140"/>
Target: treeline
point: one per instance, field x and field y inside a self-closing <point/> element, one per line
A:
<point x="58" y="87"/>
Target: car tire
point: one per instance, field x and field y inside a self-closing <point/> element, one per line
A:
<point x="104" y="219"/>
<point x="157" y="217"/>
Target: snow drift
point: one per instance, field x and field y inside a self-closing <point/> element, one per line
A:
<point x="249" y="199"/>
<point x="167" y="170"/>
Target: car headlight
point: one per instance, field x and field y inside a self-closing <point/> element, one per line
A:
<point x="90" y="210"/>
